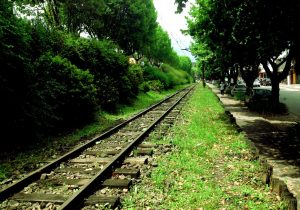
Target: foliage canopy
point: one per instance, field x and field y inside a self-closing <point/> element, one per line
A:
<point x="240" y="35"/>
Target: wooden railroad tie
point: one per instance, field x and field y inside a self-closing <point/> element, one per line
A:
<point x="136" y="160"/>
<point x="77" y="170"/>
<point x="133" y="173"/>
<point x="144" y="151"/>
<point x="147" y="145"/>
<point x="91" y="160"/>
<point x="117" y="183"/>
<point x="101" y="152"/>
<point x="39" y="197"/>
<point x="63" y="181"/>
<point x="112" y="201"/>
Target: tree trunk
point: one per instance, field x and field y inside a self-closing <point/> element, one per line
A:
<point x="203" y="77"/>
<point x="275" y="90"/>
<point x="277" y="77"/>
<point x="274" y="80"/>
<point x="249" y="74"/>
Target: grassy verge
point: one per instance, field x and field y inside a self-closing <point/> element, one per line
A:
<point x="13" y="164"/>
<point x="211" y="166"/>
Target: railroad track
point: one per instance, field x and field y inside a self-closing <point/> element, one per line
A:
<point x="94" y="175"/>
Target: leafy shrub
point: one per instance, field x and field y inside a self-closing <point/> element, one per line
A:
<point x="167" y="75"/>
<point x="154" y="73"/>
<point x="14" y="71"/>
<point x="106" y="63"/>
<point x="176" y="77"/>
<point x="154" y="85"/>
<point x="46" y="39"/>
<point x="135" y="76"/>
<point x="144" y="87"/>
<point x="63" y="95"/>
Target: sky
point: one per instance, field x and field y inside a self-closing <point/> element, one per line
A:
<point x="173" y="23"/>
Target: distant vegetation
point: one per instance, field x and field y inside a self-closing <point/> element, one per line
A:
<point x="52" y="79"/>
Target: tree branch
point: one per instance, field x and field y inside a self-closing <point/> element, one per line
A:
<point x="282" y="62"/>
<point x="274" y="66"/>
<point x="287" y="67"/>
<point x="267" y="69"/>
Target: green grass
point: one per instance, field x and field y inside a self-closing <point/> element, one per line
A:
<point x="211" y="166"/>
<point x="14" y="163"/>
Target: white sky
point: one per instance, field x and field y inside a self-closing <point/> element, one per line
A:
<point x="173" y="23"/>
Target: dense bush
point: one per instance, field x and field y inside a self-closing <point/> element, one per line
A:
<point x="14" y="71"/>
<point x="154" y="85"/>
<point x="106" y="63"/>
<point x="176" y="76"/>
<point x="154" y="73"/>
<point x="45" y="39"/>
<point x="52" y="81"/>
<point x="62" y="94"/>
<point x="136" y="77"/>
<point x="167" y="76"/>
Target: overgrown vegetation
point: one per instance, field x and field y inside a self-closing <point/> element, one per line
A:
<point x="210" y="167"/>
<point x="22" y="161"/>
<point x="53" y="80"/>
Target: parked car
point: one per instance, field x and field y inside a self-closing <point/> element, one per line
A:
<point x="258" y="95"/>
<point x="238" y="88"/>
<point x="256" y="83"/>
<point x="266" y="81"/>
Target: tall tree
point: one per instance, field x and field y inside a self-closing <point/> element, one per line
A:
<point x="272" y="25"/>
<point x="249" y="33"/>
<point x="160" y="48"/>
<point x="131" y="24"/>
<point x="185" y="64"/>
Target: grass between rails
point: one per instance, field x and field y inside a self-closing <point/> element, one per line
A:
<point x="13" y="164"/>
<point x="211" y="166"/>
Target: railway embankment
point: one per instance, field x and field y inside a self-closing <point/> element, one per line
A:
<point x="81" y="178"/>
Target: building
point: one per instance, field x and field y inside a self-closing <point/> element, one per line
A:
<point x="294" y="76"/>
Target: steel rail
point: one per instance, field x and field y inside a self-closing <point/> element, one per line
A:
<point x="35" y="175"/>
<point x="76" y="200"/>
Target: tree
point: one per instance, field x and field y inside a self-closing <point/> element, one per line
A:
<point x="131" y="24"/>
<point x="185" y="64"/>
<point x="15" y="68"/>
<point x="246" y="33"/>
<point x="180" y="5"/>
<point x="160" y="48"/>
<point x="272" y="25"/>
<point x="204" y="57"/>
<point x="75" y="19"/>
